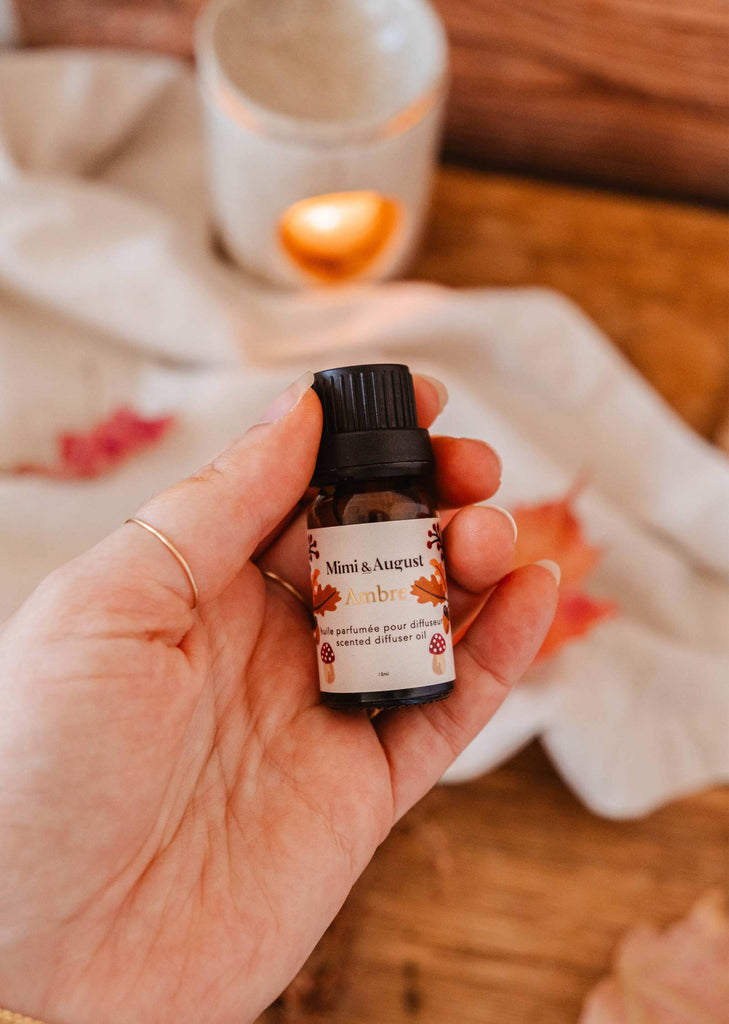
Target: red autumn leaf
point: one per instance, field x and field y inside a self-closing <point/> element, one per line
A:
<point x="325" y="599"/>
<point x="577" y="613"/>
<point x="94" y="452"/>
<point x="431" y="589"/>
<point x="677" y="976"/>
<point x="552" y="530"/>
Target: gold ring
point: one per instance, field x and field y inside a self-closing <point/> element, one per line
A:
<point x="182" y="561"/>
<point x="8" y="1017"/>
<point x="292" y="590"/>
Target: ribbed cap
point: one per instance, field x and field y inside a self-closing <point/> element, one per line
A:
<point x="370" y="424"/>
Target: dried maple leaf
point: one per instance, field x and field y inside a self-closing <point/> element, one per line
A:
<point x="678" y="976"/>
<point x="431" y="589"/>
<point x="325" y="599"/>
<point x="576" y="615"/>
<point x="552" y="530"/>
<point x="94" y="452"/>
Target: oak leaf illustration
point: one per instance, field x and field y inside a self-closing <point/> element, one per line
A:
<point x="431" y="589"/>
<point x="325" y="599"/>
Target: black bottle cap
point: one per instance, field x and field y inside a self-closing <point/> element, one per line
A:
<point x="370" y="425"/>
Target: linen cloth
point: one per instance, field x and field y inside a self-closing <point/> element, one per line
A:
<point x="111" y="294"/>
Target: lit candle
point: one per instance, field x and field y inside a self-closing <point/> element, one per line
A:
<point x="337" y="236"/>
<point x="323" y="122"/>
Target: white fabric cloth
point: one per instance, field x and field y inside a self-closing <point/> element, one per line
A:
<point x="111" y="294"/>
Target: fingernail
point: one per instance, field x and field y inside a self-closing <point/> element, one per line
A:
<point x="551" y="567"/>
<point x="287" y="401"/>
<point x="441" y="390"/>
<point x="507" y="515"/>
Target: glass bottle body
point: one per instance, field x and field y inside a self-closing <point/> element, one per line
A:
<point x="384" y="500"/>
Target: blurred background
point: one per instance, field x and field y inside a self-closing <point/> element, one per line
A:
<point x="586" y="149"/>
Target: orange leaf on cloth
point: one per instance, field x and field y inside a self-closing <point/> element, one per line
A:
<point x="678" y="976"/>
<point x="94" y="452"/>
<point x="577" y="613"/>
<point x="552" y="530"/>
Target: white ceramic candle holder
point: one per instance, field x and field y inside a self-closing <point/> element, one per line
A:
<point x="323" y="121"/>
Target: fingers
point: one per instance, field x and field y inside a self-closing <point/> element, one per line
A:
<point x="217" y="517"/>
<point x="479" y="551"/>
<point x="420" y="743"/>
<point x="431" y="397"/>
<point x="467" y="471"/>
<point x="233" y="507"/>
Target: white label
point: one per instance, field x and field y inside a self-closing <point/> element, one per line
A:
<point x="381" y="606"/>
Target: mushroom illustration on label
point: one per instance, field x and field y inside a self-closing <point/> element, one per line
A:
<point x="327" y="657"/>
<point x="437" y="649"/>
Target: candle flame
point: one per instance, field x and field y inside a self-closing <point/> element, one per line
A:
<point x="336" y="236"/>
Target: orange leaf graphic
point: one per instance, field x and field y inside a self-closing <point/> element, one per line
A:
<point x="325" y="599"/>
<point x="431" y="589"/>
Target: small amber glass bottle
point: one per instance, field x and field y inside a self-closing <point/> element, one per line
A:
<point x="380" y="598"/>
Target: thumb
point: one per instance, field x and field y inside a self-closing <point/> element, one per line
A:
<point x="217" y="517"/>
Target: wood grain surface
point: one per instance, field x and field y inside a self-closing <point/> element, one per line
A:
<point x="500" y="901"/>
<point x="653" y="274"/>
<point x="609" y="91"/>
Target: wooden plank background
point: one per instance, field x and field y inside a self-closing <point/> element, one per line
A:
<point x="612" y="91"/>
<point x="653" y="274"/>
<point x="619" y="92"/>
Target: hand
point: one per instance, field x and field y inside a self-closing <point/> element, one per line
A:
<point x="181" y="818"/>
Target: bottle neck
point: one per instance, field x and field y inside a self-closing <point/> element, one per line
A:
<point x="385" y="499"/>
<point x="373" y="454"/>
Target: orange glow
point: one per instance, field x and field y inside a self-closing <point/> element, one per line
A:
<point x="336" y="236"/>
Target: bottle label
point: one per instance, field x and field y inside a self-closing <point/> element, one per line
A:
<point x="381" y="606"/>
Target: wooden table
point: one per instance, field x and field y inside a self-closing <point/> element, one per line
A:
<point x="500" y="901"/>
